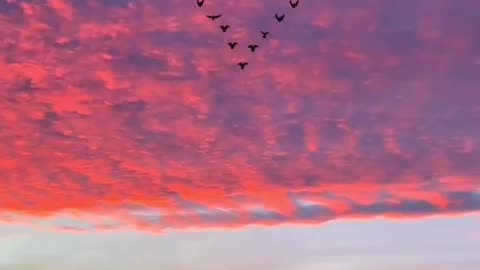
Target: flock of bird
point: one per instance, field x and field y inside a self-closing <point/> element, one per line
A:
<point x="252" y="47"/>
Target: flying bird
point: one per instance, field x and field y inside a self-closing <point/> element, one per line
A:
<point x="232" y="44"/>
<point x="264" y="34"/>
<point x="252" y="47"/>
<point x="224" y="27"/>
<point x="279" y="18"/>
<point x="242" y="64"/>
<point x="200" y="2"/>
<point x="213" y="17"/>
<point x="294" y="5"/>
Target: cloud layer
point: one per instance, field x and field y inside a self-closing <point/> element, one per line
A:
<point x="137" y="109"/>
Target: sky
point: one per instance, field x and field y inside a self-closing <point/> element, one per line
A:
<point x="130" y="136"/>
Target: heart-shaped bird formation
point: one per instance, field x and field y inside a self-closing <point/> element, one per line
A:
<point x="252" y="47"/>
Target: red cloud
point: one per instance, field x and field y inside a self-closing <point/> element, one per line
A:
<point x="62" y="8"/>
<point x="111" y="108"/>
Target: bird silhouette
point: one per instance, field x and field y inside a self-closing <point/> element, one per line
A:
<point x="232" y="44"/>
<point x="224" y="27"/>
<point x="213" y="17"/>
<point x="294" y="5"/>
<point x="279" y="18"/>
<point x="242" y="64"/>
<point x="252" y="47"/>
<point x="200" y="2"/>
<point x="264" y="34"/>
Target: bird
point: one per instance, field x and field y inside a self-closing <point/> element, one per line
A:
<point x="224" y="27"/>
<point x="213" y="17"/>
<point x="279" y="19"/>
<point x="200" y="2"/>
<point x="232" y="44"/>
<point x="294" y="5"/>
<point x="242" y="64"/>
<point x="252" y="47"/>
<point x="264" y="34"/>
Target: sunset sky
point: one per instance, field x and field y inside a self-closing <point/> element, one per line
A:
<point x="130" y="137"/>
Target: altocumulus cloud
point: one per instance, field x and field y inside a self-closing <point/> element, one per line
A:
<point x="136" y="111"/>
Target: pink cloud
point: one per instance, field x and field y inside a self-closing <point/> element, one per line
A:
<point x="109" y="105"/>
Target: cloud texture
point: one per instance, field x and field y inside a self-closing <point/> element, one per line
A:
<point x="137" y="110"/>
